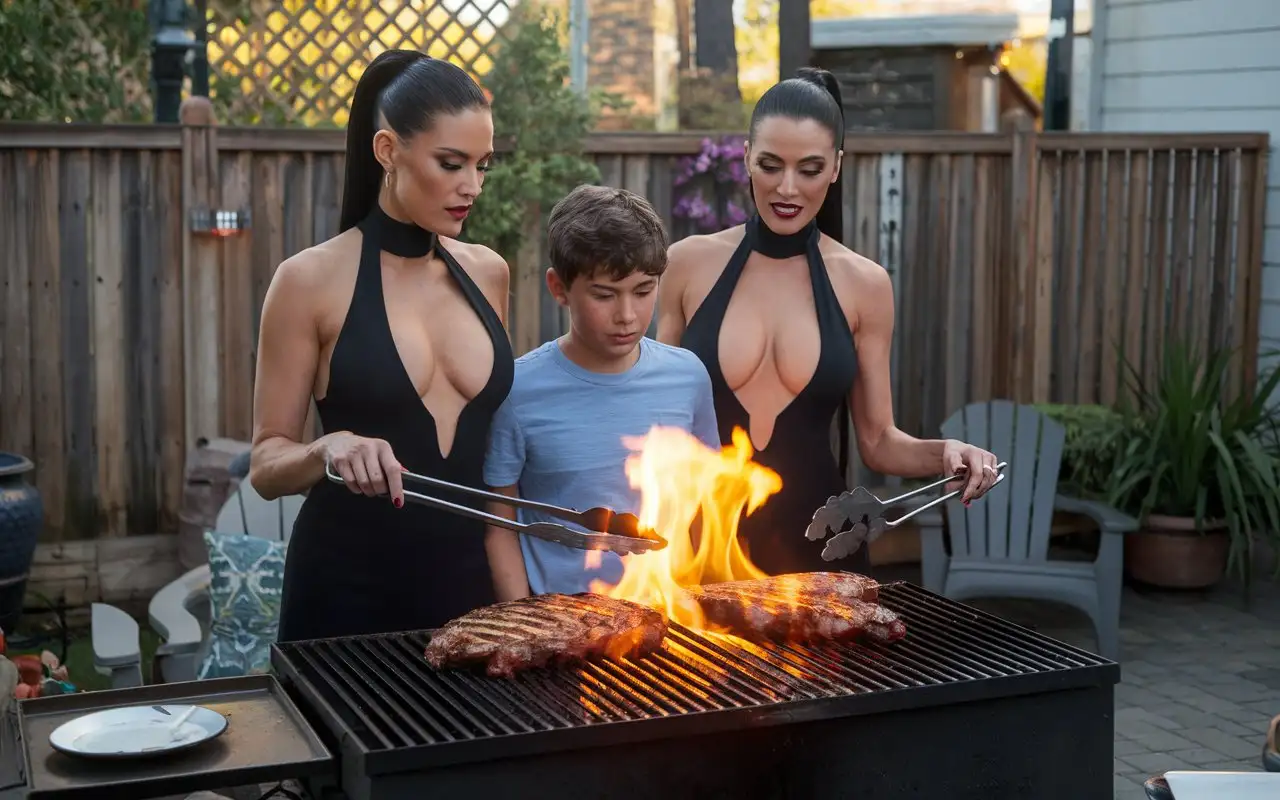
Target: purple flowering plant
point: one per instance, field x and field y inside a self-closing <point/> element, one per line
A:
<point x="713" y="189"/>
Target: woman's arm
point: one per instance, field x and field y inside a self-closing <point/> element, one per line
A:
<point x="288" y="354"/>
<point x="288" y="357"/>
<point x="883" y="447"/>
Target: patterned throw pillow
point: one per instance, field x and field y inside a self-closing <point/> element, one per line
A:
<point x="245" y="577"/>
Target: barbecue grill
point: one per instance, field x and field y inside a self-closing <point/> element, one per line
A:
<point x="967" y="706"/>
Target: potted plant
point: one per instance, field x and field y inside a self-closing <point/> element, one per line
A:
<point x="1093" y="437"/>
<point x="1200" y="467"/>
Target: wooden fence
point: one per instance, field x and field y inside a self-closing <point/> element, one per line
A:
<point x="1024" y="265"/>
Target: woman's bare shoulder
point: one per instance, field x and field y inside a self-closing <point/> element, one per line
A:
<point x="478" y="260"/>
<point x="322" y="266"/>
<point x="484" y="265"/>
<point x="853" y="271"/>
<point x="704" y="250"/>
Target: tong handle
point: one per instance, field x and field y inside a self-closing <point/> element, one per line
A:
<point x="542" y="530"/>
<point x="494" y="497"/>
<point x="445" y="505"/>
<point x="944" y="498"/>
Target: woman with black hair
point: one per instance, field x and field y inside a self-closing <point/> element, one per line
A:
<point x="792" y="325"/>
<point x="398" y="333"/>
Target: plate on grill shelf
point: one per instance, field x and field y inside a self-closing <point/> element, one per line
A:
<point x="137" y="731"/>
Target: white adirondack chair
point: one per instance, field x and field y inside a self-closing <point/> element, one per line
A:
<point x="179" y="612"/>
<point x="1000" y="544"/>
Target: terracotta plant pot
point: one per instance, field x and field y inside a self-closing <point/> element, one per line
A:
<point x="1171" y="553"/>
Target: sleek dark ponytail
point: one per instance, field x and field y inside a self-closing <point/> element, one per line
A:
<point x="406" y="90"/>
<point x="813" y="94"/>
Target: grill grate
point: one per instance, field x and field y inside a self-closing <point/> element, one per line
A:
<point x="379" y="690"/>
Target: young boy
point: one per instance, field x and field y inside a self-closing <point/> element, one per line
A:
<point x="558" y="437"/>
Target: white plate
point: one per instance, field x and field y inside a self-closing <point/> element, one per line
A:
<point x="136" y="731"/>
<point x="1187" y="785"/>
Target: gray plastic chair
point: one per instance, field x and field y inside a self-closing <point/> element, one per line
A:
<point x="179" y="612"/>
<point x="1000" y="544"/>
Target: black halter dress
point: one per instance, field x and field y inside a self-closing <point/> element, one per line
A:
<point x="800" y="448"/>
<point x="356" y="564"/>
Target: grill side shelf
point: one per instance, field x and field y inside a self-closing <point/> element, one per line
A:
<point x="267" y="739"/>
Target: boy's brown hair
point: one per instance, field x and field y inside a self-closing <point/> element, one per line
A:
<point x="599" y="229"/>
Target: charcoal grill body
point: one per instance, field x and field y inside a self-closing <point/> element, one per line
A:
<point x="967" y="706"/>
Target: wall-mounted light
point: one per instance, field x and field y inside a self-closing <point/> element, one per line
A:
<point x="219" y="222"/>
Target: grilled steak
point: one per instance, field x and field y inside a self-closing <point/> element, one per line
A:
<point x="783" y="588"/>
<point x="544" y="630"/>
<point x="804" y="607"/>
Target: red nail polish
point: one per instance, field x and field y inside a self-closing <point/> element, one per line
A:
<point x="398" y="502"/>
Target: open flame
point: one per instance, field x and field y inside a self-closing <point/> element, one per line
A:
<point x="694" y="497"/>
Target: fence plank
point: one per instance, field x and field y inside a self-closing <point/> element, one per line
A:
<point x="19" y="212"/>
<point x="172" y="371"/>
<point x="77" y="346"/>
<point x="50" y="452"/>
<point x="1135" y="265"/>
<point x="108" y="363"/>
<point x="1156" y="318"/>
<point x="1041" y="283"/>
<point x="1113" y="271"/>
<point x="141" y="254"/>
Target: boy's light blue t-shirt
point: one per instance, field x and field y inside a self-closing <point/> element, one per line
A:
<point x="559" y="437"/>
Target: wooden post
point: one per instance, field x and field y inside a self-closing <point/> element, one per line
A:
<point x="201" y="281"/>
<point x="527" y="286"/>
<point x="794" y="37"/>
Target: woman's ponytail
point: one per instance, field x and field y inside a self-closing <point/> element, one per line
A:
<point x="831" y="216"/>
<point x="363" y="172"/>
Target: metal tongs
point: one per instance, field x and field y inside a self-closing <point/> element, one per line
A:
<point x="606" y="529"/>
<point x="866" y="511"/>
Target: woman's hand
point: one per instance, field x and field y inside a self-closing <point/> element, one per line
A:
<point x="367" y="466"/>
<point x="978" y="464"/>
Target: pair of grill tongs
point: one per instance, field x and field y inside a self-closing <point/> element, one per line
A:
<point x="606" y="528"/>
<point x="866" y="513"/>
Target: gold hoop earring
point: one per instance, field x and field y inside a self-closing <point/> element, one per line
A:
<point x="386" y="180"/>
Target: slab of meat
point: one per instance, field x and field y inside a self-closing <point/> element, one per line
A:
<point x="547" y="629"/>
<point x="781" y="588"/>
<point x="804" y="607"/>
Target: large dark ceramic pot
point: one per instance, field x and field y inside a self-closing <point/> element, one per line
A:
<point x="21" y="517"/>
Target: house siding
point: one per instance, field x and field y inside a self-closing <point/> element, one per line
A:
<point x="1196" y="66"/>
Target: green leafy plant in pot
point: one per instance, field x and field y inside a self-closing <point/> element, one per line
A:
<point x="1200" y="467"/>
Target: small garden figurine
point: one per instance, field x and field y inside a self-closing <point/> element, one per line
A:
<point x="27" y="676"/>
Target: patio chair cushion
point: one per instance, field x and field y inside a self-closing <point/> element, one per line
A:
<point x="245" y="578"/>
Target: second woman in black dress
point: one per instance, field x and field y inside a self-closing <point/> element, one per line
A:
<point x="398" y="334"/>
<point x="791" y="325"/>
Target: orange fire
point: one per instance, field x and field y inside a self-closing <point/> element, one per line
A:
<point x="694" y="497"/>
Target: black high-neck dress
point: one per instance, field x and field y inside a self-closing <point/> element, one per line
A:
<point x="356" y="564"/>
<point x="799" y="449"/>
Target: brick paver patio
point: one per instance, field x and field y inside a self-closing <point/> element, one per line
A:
<point x="1200" y="675"/>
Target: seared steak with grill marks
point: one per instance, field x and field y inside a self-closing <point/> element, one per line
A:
<point x="546" y="629"/>
<point x="804" y="607"/>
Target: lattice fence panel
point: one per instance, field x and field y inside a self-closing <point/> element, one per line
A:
<point x="296" y="62"/>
